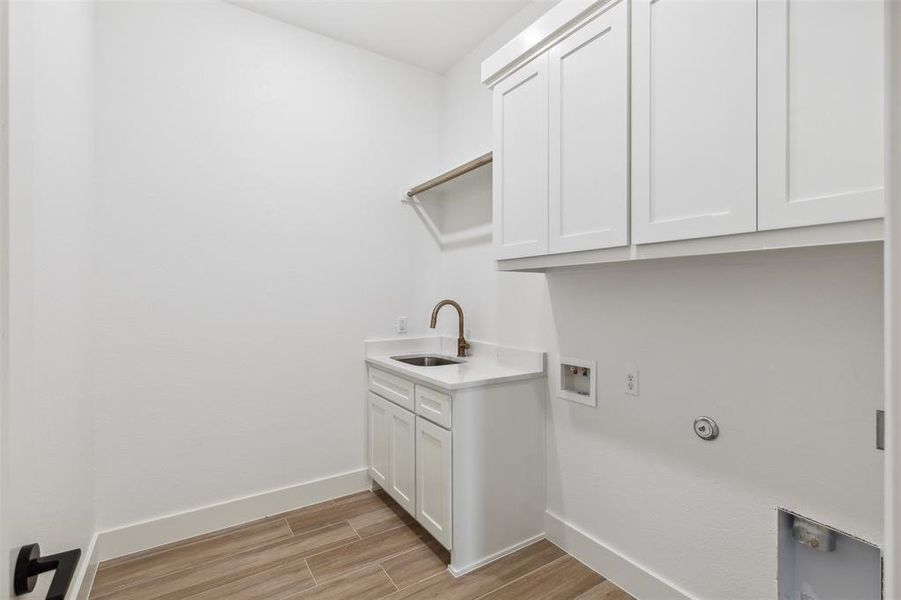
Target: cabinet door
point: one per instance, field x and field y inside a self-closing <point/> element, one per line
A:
<point x="433" y="480"/>
<point x="694" y="118"/>
<point x="520" y="161"/>
<point x="402" y="481"/>
<point x="589" y="135"/>
<point x="821" y="112"/>
<point x="379" y="440"/>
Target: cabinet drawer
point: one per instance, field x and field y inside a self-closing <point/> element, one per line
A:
<point x="391" y="387"/>
<point x="434" y="406"/>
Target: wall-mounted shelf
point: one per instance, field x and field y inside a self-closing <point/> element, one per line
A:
<point x="463" y="169"/>
<point x="471" y="186"/>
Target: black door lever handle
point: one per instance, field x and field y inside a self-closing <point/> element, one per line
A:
<point x="30" y="564"/>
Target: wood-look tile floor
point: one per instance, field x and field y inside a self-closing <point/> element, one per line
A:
<point x="360" y="547"/>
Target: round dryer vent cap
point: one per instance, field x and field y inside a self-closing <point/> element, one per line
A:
<point x="706" y="428"/>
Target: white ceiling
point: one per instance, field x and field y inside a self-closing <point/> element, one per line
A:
<point x="433" y="34"/>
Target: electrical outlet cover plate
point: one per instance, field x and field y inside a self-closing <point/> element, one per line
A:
<point x="630" y="381"/>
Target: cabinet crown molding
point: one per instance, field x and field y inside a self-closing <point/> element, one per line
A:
<point x="558" y="22"/>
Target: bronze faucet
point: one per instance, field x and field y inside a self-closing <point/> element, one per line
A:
<point x="462" y="344"/>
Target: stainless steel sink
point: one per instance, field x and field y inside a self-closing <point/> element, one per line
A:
<point x="426" y="360"/>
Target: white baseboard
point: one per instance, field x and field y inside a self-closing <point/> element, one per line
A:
<point x="84" y="576"/>
<point x="172" y="528"/>
<point x="619" y="569"/>
<point x="459" y="571"/>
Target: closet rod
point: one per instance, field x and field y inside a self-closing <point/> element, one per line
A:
<point x="452" y="174"/>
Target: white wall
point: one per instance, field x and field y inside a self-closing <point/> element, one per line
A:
<point x="783" y="349"/>
<point x="47" y="411"/>
<point x="250" y="237"/>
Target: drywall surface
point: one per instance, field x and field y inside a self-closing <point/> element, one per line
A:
<point x="783" y="349"/>
<point x="250" y="237"/>
<point x="47" y="417"/>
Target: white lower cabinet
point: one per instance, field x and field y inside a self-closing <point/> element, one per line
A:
<point x="464" y="463"/>
<point x="410" y="456"/>
<point x="392" y="450"/>
<point x="402" y="432"/>
<point x="379" y="442"/>
<point x="434" y="480"/>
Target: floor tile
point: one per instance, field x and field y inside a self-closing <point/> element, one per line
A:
<point x="129" y="571"/>
<point x="605" y="591"/>
<point x="357" y="554"/>
<point x="360" y="547"/>
<point x="380" y="520"/>
<point x="485" y="580"/>
<point x="416" y="565"/>
<point x="201" y="578"/>
<point x="563" y="579"/>
<point x="276" y="583"/>
<point x="368" y="583"/>
<point x="321" y="515"/>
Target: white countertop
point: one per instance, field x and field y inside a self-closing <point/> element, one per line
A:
<point x="488" y="363"/>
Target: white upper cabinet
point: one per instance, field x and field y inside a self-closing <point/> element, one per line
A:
<point x="821" y="111"/>
<point x="622" y="126"/>
<point x="521" y="162"/>
<point x="694" y="118"/>
<point x="589" y="135"/>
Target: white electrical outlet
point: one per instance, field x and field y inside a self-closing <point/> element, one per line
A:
<point x="401" y="324"/>
<point x="630" y="382"/>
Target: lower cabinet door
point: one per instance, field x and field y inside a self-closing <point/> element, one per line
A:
<point x="379" y="440"/>
<point x="433" y="480"/>
<point x="402" y="480"/>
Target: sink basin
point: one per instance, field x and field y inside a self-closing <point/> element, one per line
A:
<point x="426" y="360"/>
